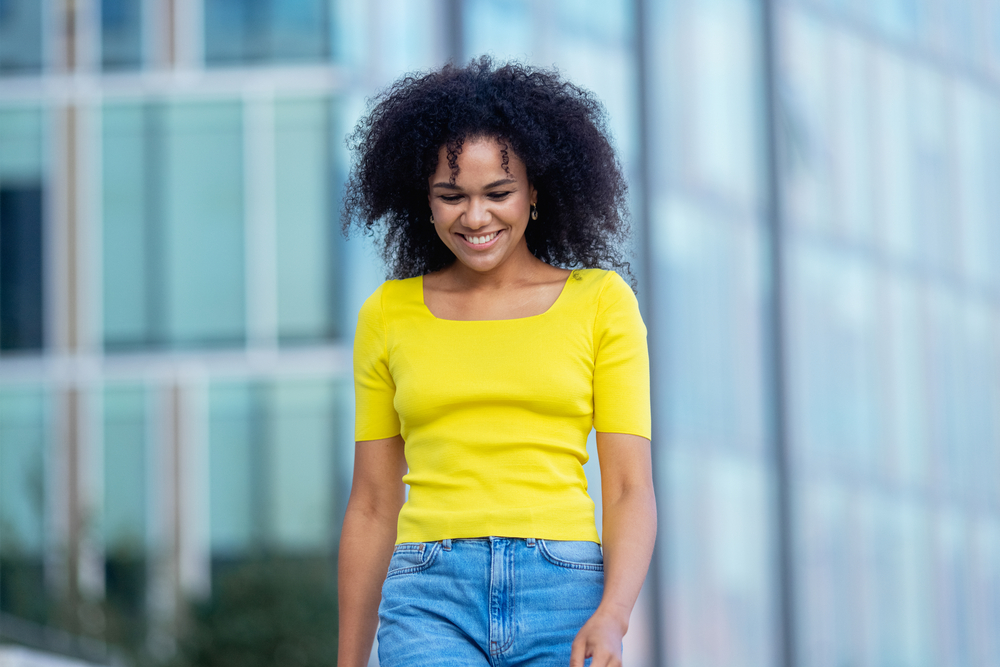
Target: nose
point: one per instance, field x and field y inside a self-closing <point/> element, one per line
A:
<point x="477" y="215"/>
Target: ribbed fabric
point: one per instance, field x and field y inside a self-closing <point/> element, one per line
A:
<point x="495" y="414"/>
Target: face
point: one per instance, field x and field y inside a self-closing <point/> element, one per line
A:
<point x="482" y="216"/>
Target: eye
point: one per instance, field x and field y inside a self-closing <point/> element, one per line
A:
<point x="497" y="196"/>
<point x="451" y="199"/>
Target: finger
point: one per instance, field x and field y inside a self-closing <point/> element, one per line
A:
<point x="600" y="658"/>
<point x="577" y="652"/>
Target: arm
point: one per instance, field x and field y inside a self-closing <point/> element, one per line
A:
<point x="629" y="533"/>
<point x="366" y="543"/>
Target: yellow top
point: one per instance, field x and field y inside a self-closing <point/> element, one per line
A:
<point x="495" y="414"/>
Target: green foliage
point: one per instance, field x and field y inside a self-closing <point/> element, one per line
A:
<point x="265" y="613"/>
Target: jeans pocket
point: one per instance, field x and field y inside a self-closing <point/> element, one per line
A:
<point x="573" y="555"/>
<point x="411" y="557"/>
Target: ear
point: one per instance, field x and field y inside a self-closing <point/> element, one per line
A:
<point x="533" y="197"/>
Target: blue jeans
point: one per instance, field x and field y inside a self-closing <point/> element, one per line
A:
<point x="493" y="601"/>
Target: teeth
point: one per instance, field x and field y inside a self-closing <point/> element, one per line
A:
<point x="479" y="240"/>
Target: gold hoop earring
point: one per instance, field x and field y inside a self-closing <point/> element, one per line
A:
<point x="534" y="212"/>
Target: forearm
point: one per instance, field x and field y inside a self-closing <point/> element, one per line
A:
<point x="628" y="536"/>
<point x="366" y="544"/>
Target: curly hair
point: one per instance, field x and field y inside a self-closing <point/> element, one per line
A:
<point x="557" y="129"/>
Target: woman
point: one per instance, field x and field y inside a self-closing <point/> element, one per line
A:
<point x="479" y="373"/>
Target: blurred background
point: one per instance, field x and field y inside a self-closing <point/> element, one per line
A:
<point x="816" y="207"/>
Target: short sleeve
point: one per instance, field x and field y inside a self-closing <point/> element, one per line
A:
<point x="374" y="414"/>
<point x="621" y="365"/>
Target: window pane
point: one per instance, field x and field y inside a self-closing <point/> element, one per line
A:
<point x="173" y="225"/>
<point x="21" y="145"/>
<point x="23" y="444"/>
<point x="977" y="134"/>
<point x="20" y="36"/>
<point x="852" y="156"/>
<point x="893" y="108"/>
<point x="129" y="254"/>
<point x="907" y="384"/>
<point x="952" y="613"/>
<point x="202" y="236"/>
<point x="720" y="573"/>
<point x="807" y="138"/>
<point x="125" y="524"/>
<point x="235" y="467"/>
<point x="710" y="327"/>
<point x="933" y="166"/>
<point x="261" y="31"/>
<point x="304" y="186"/>
<point x="271" y="469"/>
<point x="121" y="34"/>
<point x="21" y="252"/>
<point x="301" y="466"/>
<point x="833" y="324"/>
<point x="500" y="27"/>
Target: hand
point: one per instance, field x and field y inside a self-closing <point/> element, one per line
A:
<point x="600" y="639"/>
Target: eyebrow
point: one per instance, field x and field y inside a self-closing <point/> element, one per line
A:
<point x="452" y="186"/>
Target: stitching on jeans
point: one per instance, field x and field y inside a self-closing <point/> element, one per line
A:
<point x="513" y="600"/>
<point x="429" y="557"/>
<point x="568" y="564"/>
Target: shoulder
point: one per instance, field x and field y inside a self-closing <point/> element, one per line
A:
<point x="603" y="286"/>
<point x="392" y="293"/>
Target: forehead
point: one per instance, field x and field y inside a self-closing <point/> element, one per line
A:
<point x="480" y="157"/>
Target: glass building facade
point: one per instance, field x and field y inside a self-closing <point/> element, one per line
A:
<point x="815" y="213"/>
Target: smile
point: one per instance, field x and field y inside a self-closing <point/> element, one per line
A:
<point x="482" y="240"/>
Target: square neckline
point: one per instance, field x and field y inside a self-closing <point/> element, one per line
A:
<point x="423" y="302"/>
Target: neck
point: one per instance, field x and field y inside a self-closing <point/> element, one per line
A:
<point x="514" y="270"/>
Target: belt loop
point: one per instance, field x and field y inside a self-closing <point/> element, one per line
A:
<point x="446" y="544"/>
<point x="530" y="542"/>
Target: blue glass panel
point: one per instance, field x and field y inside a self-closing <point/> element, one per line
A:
<point x="981" y="379"/>
<point x="125" y="521"/>
<point x="21" y="262"/>
<point x="235" y="468"/>
<point x="306" y="249"/>
<point x="863" y="572"/>
<point x="121" y="34"/>
<point x="203" y="244"/>
<point x="851" y="140"/>
<point x="22" y="200"/>
<point x="263" y="31"/>
<point x="833" y="328"/>
<point x="302" y="442"/>
<point x="933" y="162"/>
<point x="23" y="441"/>
<point x="21" y="144"/>
<point x="897" y="176"/>
<point x="502" y="28"/>
<point x="808" y="139"/>
<point x="411" y="36"/>
<point x="901" y="18"/>
<point x="719" y="572"/>
<point x="986" y="585"/>
<point x="977" y="165"/>
<point x="591" y="44"/>
<point x="20" y="36"/>
<point x="710" y="328"/>
<point x="952" y="451"/>
<point x="272" y="468"/>
<point x="823" y="567"/>
<point x="129" y="227"/>
<point x="908" y="413"/>
<point x="953" y="612"/>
